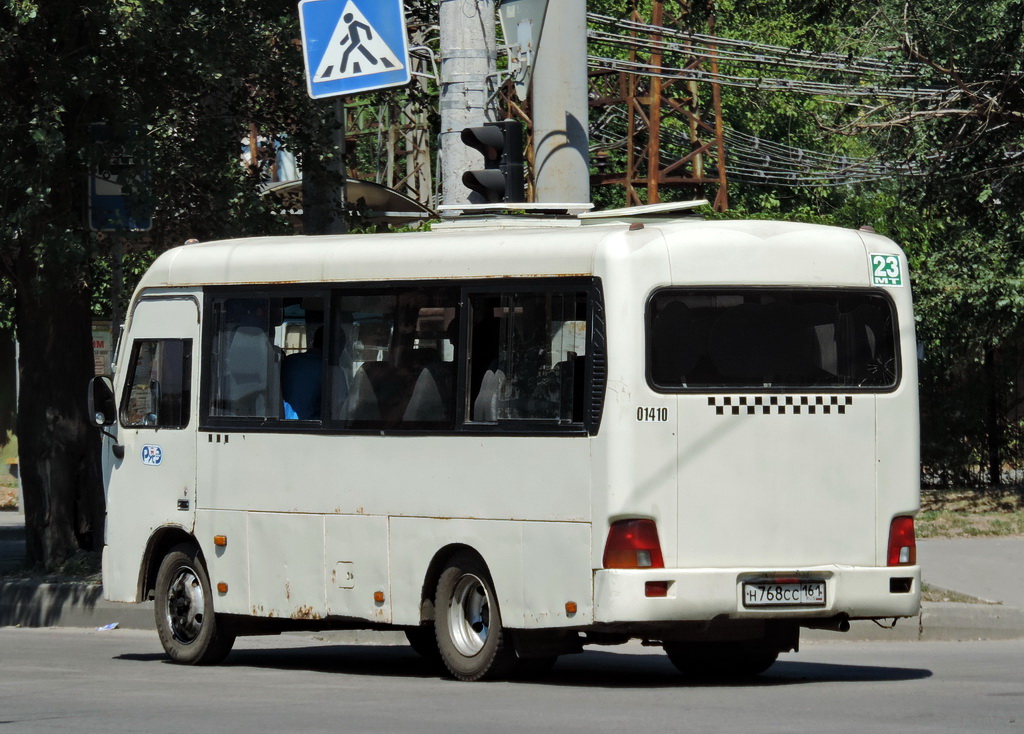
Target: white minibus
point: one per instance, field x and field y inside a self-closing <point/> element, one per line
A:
<point x="514" y="437"/>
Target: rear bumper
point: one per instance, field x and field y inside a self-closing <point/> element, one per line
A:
<point x="705" y="594"/>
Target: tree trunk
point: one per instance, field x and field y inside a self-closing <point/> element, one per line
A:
<point x="58" y="449"/>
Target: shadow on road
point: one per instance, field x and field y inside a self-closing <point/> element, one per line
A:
<point x="591" y="669"/>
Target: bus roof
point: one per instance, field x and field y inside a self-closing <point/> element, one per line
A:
<point x="715" y="252"/>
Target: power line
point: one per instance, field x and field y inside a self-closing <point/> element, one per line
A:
<point x="866" y="77"/>
<point x="755" y="66"/>
<point x="754" y="160"/>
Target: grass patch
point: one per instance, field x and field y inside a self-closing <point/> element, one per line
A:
<point x="8" y="481"/>
<point x="9" y="498"/>
<point x="938" y="594"/>
<point x="970" y="513"/>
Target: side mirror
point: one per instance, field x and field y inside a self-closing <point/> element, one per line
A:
<point x="100" y="399"/>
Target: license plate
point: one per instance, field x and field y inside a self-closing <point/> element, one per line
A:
<point x="788" y="594"/>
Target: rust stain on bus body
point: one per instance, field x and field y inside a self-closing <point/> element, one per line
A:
<point x="305" y="613"/>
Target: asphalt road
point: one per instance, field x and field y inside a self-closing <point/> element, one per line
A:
<point x="73" y="680"/>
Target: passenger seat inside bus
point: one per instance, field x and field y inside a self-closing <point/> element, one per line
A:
<point x="361" y="402"/>
<point x="426" y="403"/>
<point x="252" y="374"/>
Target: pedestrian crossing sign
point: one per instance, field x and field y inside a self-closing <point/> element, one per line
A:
<point x="352" y="46"/>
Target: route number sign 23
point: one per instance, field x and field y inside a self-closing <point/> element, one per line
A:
<point x="886" y="270"/>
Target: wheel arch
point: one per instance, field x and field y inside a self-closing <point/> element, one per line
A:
<point x="434" y="570"/>
<point x="160" y="544"/>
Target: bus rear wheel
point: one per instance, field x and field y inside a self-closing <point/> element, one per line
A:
<point x="185" y="620"/>
<point x="470" y="638"/>
<point x="720" y="660"/>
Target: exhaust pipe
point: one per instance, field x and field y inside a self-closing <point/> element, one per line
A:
<point x="838" y="623"/>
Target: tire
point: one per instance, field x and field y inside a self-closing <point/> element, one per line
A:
<point x="720" y="660"/>
<point x="188" y="628"/>
<point x="467" y="621"/>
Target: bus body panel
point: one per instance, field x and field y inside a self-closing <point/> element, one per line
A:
<point x="536" y="567"/>
<point x="286" y="565"/>
<point x="780" y="489"/>
<point x="356" y="561"/>
<point x="767" y="253"/>
<point x="418" y="476"/>
<point x="631" y="461"/>
<point x="898" y="431"/>
<point x="383" y="257"/>
<point x="229" y="563"/>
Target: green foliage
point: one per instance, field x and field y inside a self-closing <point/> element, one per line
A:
<point x="177" y="86"/>
<point x="957" y="216"/>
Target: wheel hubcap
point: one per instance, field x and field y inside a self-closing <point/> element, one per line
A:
<point x="469" y="617"/>
<point x="185" y="604"/>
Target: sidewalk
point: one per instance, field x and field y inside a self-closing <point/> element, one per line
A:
<point x="991" y="569"/>
<point x="986" y="568"/>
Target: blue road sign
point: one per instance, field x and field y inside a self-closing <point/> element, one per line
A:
<point x="353" y="46"/>
<point x="109" y="208"/>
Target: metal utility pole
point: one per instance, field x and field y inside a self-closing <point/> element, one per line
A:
<point x="468" y="65"/>
<point x="560" y="106"/>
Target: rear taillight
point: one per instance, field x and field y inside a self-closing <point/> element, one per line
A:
<point x="633" y="544"/>
<point x="902" y="544"/>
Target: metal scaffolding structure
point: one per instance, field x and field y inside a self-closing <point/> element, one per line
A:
<point x="653" y="105"/>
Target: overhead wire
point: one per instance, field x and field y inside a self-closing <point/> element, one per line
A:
<point x="752" y="159"/>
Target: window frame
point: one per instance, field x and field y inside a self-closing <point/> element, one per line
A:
<point x="451" y="426"/>
<point x="594" y="376"/>
<point x="209" y="421"/>
<point x="186" y="383"/>
<point x="595" y="371"/>
<point x="735" y="389"/>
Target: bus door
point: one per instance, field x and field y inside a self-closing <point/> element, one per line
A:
<point x="154" y="484"/>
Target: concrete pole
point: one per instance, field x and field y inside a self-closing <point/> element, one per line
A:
<point x="560" y="109"/>
<point x="468" y="59"/>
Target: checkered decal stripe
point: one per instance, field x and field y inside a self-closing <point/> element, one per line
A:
<point x="780" y="404"/>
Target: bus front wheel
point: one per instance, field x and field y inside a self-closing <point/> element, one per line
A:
<point x="185" y="620"/>
<point x="470" y="638"/>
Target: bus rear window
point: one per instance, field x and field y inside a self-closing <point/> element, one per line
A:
<point x="771" y="338"/>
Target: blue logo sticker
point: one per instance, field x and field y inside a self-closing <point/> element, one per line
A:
<point x="152" y="455"/>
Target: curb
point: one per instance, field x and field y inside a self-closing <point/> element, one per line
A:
<point x="937" y="622"/>
<point x="35" y="604"/>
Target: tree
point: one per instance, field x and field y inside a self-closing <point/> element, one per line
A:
<point x="941" y="127"/>
<point x="176" y="86"/>
<point x="965" y="141"/>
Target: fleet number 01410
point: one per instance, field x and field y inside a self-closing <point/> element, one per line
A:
<point x="646" y="414"/>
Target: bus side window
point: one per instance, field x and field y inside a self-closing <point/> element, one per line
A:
<point x="401" y="364"/>
<point x="528" y="355"/>
<point x="247" y="364"/>
<point x="158" y="391"/>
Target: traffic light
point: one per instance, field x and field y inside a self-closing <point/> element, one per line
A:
<point x="502" y="146"/>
